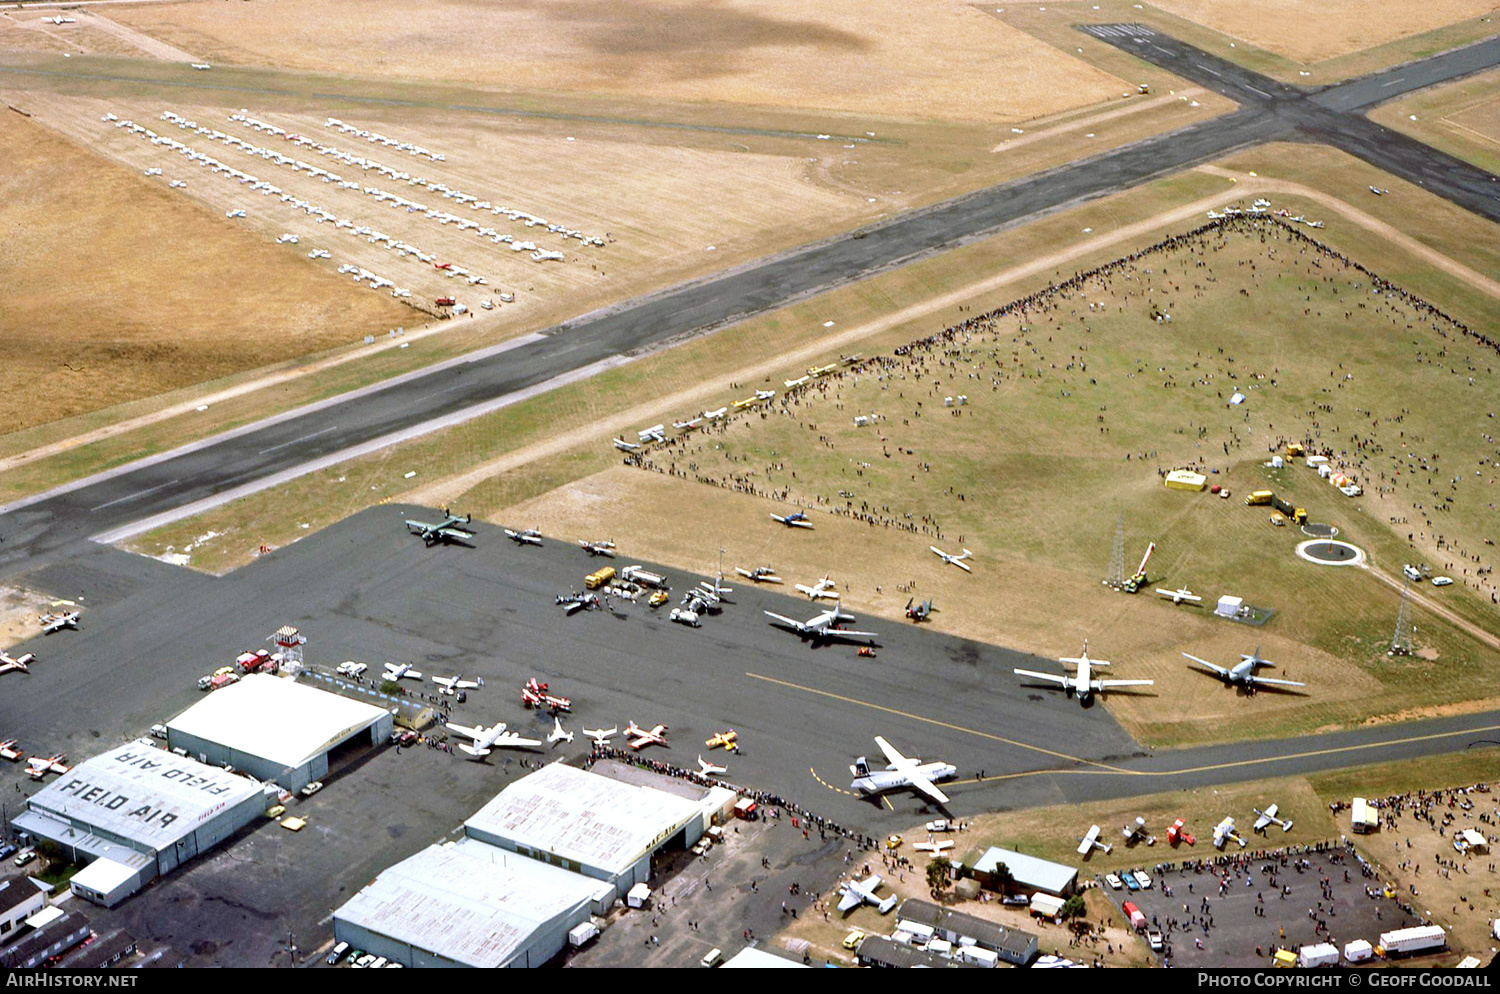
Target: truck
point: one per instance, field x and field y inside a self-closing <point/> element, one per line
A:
<point x="599" y="578"/>
<point x="1410" y="941"/>
<point x="1258" y="497"/>
<point x="582" y="934"/>
<point x="1137" y="920"/>
<point x="646" y="578"/>
<point x="1286" y="507"/>
<point x="1322" y="954"/>
<point x="217" y="681"/>
<point x="259" y="661"/>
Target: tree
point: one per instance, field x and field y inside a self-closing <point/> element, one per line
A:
<point x="1073" y="907"/>
<point x="938" y="872"/>
<point x="1001" y="876"/>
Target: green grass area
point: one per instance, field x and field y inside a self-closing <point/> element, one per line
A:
<point x="1451" y="118"/>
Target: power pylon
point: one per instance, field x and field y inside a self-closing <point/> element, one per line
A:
<point x="1116" y="575"/>
<point x="1401" y="640"/>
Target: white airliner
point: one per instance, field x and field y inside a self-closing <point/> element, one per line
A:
<point x="487" y="739"/>
<point x="557" y="734"/>
<point x="641" y="737"/>
<point x="795" y="520"/>
<point x="823" y="627"/>
<point x="709" y="769"/>
<point x="395" y="671"/>
<point x="601" y="736"/>
<point x="1268" y="817"/>
<point x="1243" y="672"/>
<point x="902" y="771"/>
<point x="856" y="892"/>
<point x="1179" y="595"/>
<point x="453" y="684"/>
<point x="1082" y="683"/>
<point x="824" y="588"/>
<point x="954" y="560"/>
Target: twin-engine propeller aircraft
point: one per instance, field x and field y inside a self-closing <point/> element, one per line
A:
<point x="56" y="621"/>
<point x="528" y="537"/>
<point x="825" y="588"/>
<point x="857" y="892"/>
<point x="642" y="737"/>
<point x="396" y="671"/>
<point x="902" y="771"/>
<point x="446" y="531"/>
<point x="453" y="684"/>
<point x="1243" y="672"/>
<point x="823" y="627"/>
<point x="1083" y="683"/>
<point x="489" y="739"/>
<point x="21" y="662"/>
<point x="597" y="548"/>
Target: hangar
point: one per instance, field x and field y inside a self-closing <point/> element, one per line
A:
<point x="469" y="904"/>
<point x="276" y="729"/>
<point x="135" y="813"/>
<point x="1027" y="873"/>
<point x="591" y="824"/>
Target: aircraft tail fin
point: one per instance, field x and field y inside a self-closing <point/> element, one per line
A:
<point x="861" y="767"/>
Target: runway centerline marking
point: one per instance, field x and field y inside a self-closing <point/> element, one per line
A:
<point x="941" y="724"/>
<point x="1392" y="82"/>
<point x="296" y="440"/>
<point x="1206" y="69"/>
<point x="138" y="493"/>
<point x="1254" y="90"/>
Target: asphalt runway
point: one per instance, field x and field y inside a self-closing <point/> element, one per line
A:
<point x="1268" y="111"/>
<point x="366" y="589"/>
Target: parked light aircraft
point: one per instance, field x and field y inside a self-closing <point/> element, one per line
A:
<point x="932" y="845"/>
<point x="709" y="769"/>
<point x="446" y="530"/>
<point x="7" y="663"/>
<point x="453" y="684"/>
<point x="488" y="739"/>
<point x="1088" y="843"/>
<point x="713" y="591"/>
<point x="10" y="750"/>
<point x="1268" y="817"/>
<point x="38" y="766"/>
<point x="624" y="446"/>
<point x="528" y="537"/>
<point x="901" y="771"/>
<point x="856" y="892"/>
<point x="583" y="600"/>
<point x="761" y="574"/>
<point x="656" y="433"/>
<point x="1082" y="683"/>
<point x="1243" y="672"/>
<point x="824" y="588"/>
<point x="557" y="734"/>
<point x="727" y="739"/>
<point x="56" y="622"/>
<point x="1135" y="831"/>
<point x="535" y="695"/>
<point x="1179" y="595"/>
<point x="395" y="671"/>
<point x="597" y="548"/>
<point x="1224" y="832"/>
<point x="918" y="611"/>
<point x="823" y="627"/>
<point x="795" y="520"/>
<point x="954" y="560"/>
<point x="601" y="736"/>
<point x="641" y="737"/>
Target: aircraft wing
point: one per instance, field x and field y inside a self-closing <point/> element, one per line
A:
<point x="845" y="633"/>
<point x="926" y="786"/>
<point x="472" y="733"/>
<point x="893" y="757"/>
<point x="512" y="740"/>
<point x="1060" y="679"/>
<point x="1203" y="662"/>
<point x="1125" y="683"/>
<point x="1284" y="683"/>
<point x="1262" y="822"/>
<point x="850" y="899"/>
<point x="961" y="565"/>
<point x="417" y="527"/>
<point x="790" y="622"/>
<point x="458" y="534"/>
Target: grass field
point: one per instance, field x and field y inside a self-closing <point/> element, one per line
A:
<point x="885" y="57"/>
<point x="116" y="288"/>
<point x="1462" y="119"/>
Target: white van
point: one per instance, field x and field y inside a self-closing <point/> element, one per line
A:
<point x="712" y="958"/>
<point x="337" y="953"/>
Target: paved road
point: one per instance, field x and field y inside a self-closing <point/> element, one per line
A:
<point x="1269" y="110"/>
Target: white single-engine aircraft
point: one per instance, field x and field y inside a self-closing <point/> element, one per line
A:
<point x="1243" y="672"/>
<point x="557" y="734"/>
<point x="1083" y="683"/>
<point x="597" y="548"/>
<point x="446" y="530"/>
<point x="954" y="560"/>
<point x="1268" y="817"/>
<point x="1224" y="832"/>
<point x="640" y="737"/>
<point x="488" y="739"/>
<point x="453" y="684"/>
<point x="528" y="537"/>
<point x="823" y="589"/>
<point x="1179" y="595"/>
<point x="601" y="736"/>
<point x="1090" y="842"/>
<point x="56" y="622"/>
<point x="761" y="574"/>
<point x="857" y="892"/>
<point x="395" y="671"/>
<point x="709" y="769"/>
<point x="903" y="771"/>
<point x="823" y="627"/>
<point x="795" y="520"/>
<point x="624" y="446"/>
<point x="7" y="663"/>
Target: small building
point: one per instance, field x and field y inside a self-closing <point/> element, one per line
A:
<point x="469" y="904"/>
<point x="1186" y="479"/>
<point x="880" y="951"/>
<point x="106" y="881"/>
<point x="20" y="898"/>
<point x="1027" y="873"/>
<point x="36" y="947"/>
<point x="1474" y="842"/>
<point x="104" y="951"/>
<point x="1011" y="944"/>
<point x="1229" y="606"/>
<point x="277" y="729"/>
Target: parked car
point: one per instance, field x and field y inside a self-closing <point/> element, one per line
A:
<point x="1442" y="581"/>
<point x="853" y="939"/>
<point x="404" y="737"/>
<point x="1142" y="879"/>
<point x="1155" y="939"/>
<point x="312" y="788"/>
<point x="1130" y="882"/>
<point x="27" y="856"/>
<point x="159" y="731"/>
<point x="1114" y="882"/>
<point x="7" y="849"/>
<point x="337" y="952"/>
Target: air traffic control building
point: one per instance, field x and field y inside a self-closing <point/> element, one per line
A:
<point x="276" y="729"/>
<point x="135" y="813"/>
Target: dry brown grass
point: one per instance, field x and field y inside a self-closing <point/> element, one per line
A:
<point x="884" y="57"/>
<point x="1312" y="30"/>
<point x="116" y="288"/>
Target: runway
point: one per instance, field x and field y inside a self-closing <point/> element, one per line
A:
<point x="365" y="589"/>
<point x="248" y="459"/>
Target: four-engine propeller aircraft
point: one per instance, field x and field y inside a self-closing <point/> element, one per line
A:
<point x="21" y="662"/>
<point x="761" y="574"/>
<point x="642" y="737"/>
<point x="823" y="589"/>
<point x="918" y="611"/>
<point x="1243" y="672"/>
<point x="395" y="671"/>
<point x="597" y="548"/>
<point x="797" y="519"/>
<point x="954" y="560"/>
<point x="447" y="530"/>
<point x="56" y="621"/>
<point x="1268" y="817"/>
<point x="902" y="771"/>
<point x="601" y="736"/>
<point x="453" y="684"/>
<point x="823" y="627"/>
<point x="488" y="739"/>
<point x="557" y="734"/>
<point x="535" y="695"/>
<point x="1083" y="683"/>
<point x="709" y="769"/>
<point x="856" y="892"/>
<point x="1180" y="595"/>
<point x="528" y="537"/>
